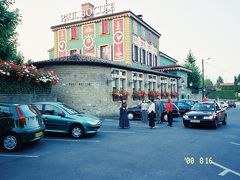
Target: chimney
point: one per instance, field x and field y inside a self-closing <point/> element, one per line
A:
<point x="87" y="9"/>
<point x="140" y="16"/>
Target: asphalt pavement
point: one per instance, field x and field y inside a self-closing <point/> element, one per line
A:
<point x="136" y="153"/>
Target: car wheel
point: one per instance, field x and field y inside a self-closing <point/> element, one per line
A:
<point x="77" y="131"/>
<point x="215" y="124"/>
<point x="130" y="116"/>
<point x="185" y="125"/>
<point x="224" y="122"/>
<point x="11" y="142"/>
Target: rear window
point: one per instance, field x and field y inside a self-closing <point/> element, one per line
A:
<point x="28" y="110"/>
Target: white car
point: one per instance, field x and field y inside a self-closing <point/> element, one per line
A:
<point x="223" y="104"/>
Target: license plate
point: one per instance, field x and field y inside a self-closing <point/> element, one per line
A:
<point x="38" y="134"/>
<point x="195" y="121"/>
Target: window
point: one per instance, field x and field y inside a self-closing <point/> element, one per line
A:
<point x="143" y="56"/>
<point x="150" y="59"/>
<point x="135" y="53"/>
<point x="105" y="52"/>
<point x="73" y="52"/>
<point x="104" y="27"/>
<point x="119" y="81"/>
<point x="143" y="33"/>
<point x="149" y="37"/>
<point x="137" y="79"/>
<point x="74" y="34"/>
<point x="52" y="110"/>
<point x="152" y="80"/>
<point x="155" y="61"/>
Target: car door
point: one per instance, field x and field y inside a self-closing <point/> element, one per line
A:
<point x="220" y="112"/>
<point x="181" y="107"/>
<point x="54" y="118"/>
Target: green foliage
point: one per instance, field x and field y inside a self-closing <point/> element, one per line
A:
<point x="219" y="81"/>
<point x="9" y="19"/>
<point x="227" y="88"/>
<point x="224" y="94"/>
<point x="195" y="76"/>
<point x="12" y="86"/>
<point x="208" y="84"/>
<point x="236" y="83"/>
<point x="190" y="58"/>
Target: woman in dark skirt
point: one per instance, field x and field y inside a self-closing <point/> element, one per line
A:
<point x="123" y="120"/>
<point x="151" y="114"/>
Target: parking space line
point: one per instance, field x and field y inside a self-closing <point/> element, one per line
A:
<point x="16" y="155"/>
<point x="121" y="132"/>
<point x="226" y="170"/>
<point x="70" y="140"/>
<point x="235" y="143"/>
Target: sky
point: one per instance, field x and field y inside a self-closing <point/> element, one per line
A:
<point x="209" y="28"/>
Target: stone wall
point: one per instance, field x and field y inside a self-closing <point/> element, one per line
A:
<point x="26" y="98"/>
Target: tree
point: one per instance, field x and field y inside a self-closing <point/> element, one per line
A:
<point x="190" y="58"/>
<point x="219" y="81"/>
<point x="208" y="84"/>
<point x="9" y="19"/>
<point x="195" y="76"/>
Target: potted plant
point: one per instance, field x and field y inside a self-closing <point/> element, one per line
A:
<point x="153" y="94"/>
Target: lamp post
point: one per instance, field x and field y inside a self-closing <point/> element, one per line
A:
<point x="203" y="85"/>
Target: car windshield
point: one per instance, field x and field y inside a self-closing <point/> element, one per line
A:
<point x="69" y="109"/>
<point x="203" y="107"/>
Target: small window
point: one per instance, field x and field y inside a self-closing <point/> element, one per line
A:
<point x="52" y="110"/>
<point x="74" y="34"/>
<point x="104" y="27"/>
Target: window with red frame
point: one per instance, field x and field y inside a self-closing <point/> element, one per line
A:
<point x="105" y="29"/>
<point x="74" y="34"/>
<point x="149" y="37"/>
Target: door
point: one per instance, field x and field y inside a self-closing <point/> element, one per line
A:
<point x="220" y="113"/>
<point x="54" y="119"/>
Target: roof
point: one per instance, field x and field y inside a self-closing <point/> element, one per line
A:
<point x="171" y="68"/>
<point x="92" y="19"/>
<point x="167" y="56"/>
<point x="227" y="84"/>
<point x="87" y="60"/>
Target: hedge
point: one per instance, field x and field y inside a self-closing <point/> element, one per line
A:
<point x="223" y="94"/>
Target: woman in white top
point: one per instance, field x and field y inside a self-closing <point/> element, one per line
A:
<point x="151" y="114"/>
<point x="144" y="111"/>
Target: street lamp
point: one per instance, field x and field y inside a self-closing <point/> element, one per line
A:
<point x="203" y="85"/>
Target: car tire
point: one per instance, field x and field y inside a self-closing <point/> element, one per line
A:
<point x="185" y="125"/>
<point x="215" y="125"/>
<point x="11" y="142"/>
<point x="130" y="116"/>
<point x="224" y="122"/>
<point x="77" y="131"/>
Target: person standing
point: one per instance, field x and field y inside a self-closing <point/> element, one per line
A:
<point x="169" y="109"/>
<point x="159" y="111"/>
<point x="123" y="120"/>
<point x="144" y="111"/>
<point x="151" y="114"/>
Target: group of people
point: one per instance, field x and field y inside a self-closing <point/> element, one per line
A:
<point x="154" y="111"/>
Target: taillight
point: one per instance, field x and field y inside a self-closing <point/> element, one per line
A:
<point x="21" y="116"/>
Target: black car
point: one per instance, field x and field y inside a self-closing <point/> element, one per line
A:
<point x="205" y="113"/>
<point x="231" y="104"/>
<point x="135" y="112"/>
<point x="19" y="124"/>
<point x="183" y="107"/>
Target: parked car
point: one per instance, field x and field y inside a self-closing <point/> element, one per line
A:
<point x="135" y="112"/>
<point x="205" y="113"/>
<point x="189" y="101"/>
<point x="231" y="104"/>
<point x="183" y="107"/>
<point x="19" y="124"/>
<point x="59" y="117"/>
<point x="223" y="104"/>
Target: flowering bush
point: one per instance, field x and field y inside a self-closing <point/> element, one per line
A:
<point x="139" y="93"/>
<point x="175" y="94"/>
<point x="153" y="93"/>
<point x="30" y="73"/>
<point x="165" y="94"/>
<point x="120" y="93"/>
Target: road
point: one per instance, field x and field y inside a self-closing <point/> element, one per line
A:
<point x="135" y="153"/>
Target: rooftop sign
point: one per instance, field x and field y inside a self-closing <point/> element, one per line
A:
<point x="89" y="12"/>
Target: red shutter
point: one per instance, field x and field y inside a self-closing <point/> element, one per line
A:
<point x="105" y="27"/>
<point x="149" y="37"/>
<point x="74" y="33"/>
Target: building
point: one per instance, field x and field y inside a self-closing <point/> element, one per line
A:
<point x="101" y="58"/>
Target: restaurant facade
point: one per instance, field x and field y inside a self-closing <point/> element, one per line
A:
<point x="103" y="59"/>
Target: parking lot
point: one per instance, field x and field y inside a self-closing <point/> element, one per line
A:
<point x="135" y="153"/>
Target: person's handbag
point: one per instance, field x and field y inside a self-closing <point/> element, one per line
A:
<point x="165" y="117"/>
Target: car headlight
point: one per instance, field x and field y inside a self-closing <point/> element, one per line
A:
<point x="185" y="117"/>
<point x="92" y="122"/>
<point x="208" y="117"/>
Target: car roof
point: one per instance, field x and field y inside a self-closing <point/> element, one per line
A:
<point x="48" y="102"/>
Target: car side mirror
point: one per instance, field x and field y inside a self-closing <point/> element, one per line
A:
<point x="61" y="114"/>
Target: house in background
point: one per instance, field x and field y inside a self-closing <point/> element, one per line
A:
<point x="169" y="65"/>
